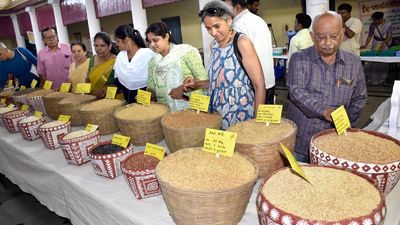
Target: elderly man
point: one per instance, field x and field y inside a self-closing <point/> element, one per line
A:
<point x="19" y="62"/>
<point x="257" y="30"/>
<point x="54" y="60"/>
<point x="322" y="78"/>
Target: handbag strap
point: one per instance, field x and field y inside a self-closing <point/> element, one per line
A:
<point x="380" y="34"/>
<point x="237" y="50"/>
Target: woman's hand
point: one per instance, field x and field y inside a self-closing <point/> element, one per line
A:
<point x="176" y="93"/>
<point x="101" y="93"/>
<point x="189" y="84"/>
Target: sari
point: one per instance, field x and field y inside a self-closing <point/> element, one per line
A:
<point x="78" y="74"/>
<point x="100" y="75"/>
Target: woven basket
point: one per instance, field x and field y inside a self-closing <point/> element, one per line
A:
<point x="4" y="110"/>
<point x="71" y="105"/>
<point x="51" y="136"/>
<point x="29" y="129"/>
<point x="35" y="100"/>
<point x="104" y="117"/>
<point x="216" y="207"/>
<point x="51" y="101"/>
<point x="141" y="131"/>
<point x="10" y="120"/>
<point x="267" y="155"/>
<point x="20" y="96"/>
<point x="179" y="138"/>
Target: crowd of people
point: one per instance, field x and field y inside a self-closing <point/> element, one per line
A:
<point x="324" y="71"/>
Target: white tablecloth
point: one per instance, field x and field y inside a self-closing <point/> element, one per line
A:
<point x="77" y="193"/>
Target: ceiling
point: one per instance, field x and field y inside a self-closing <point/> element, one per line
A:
<point x="11" y="6"/>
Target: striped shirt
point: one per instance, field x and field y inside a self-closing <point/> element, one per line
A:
<point x="315" y="86"/>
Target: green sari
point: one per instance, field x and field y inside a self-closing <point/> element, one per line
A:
<point x="100" y="75"/>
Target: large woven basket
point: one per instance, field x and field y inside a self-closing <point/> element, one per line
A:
<point x="141" y="131"/>
<point x="216" y="207"/>
<point x="103" y="116"/>
<point x="267" y="155"/>
<point x="71" y="105"/>
<point x="179" y="138"/>
<point x="385" y="175"/>
<point x="51" y="101"/>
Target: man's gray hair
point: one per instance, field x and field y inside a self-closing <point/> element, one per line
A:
<point x="2" y="45"/>
<point x="327" y="14"/>
<point x="222" y="10"/>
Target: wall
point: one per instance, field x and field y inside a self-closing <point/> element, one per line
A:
<point x="187" y="10"/>
<point x="9" y="42"/>
<point x="81" y="27"/>
<point x="354" y="3"/>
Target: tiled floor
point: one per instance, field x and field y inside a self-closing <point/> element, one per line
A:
<point x="17" y="207"/>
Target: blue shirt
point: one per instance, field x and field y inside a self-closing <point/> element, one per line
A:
<point x="18" y="67"/>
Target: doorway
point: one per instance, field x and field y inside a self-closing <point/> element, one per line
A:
<point x="174" y="24"/>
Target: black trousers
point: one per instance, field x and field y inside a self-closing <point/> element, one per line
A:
<point x="130" y="95"/>
<point x="270" y="95"/>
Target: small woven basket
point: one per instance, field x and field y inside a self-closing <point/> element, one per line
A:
<point x="217" y="207"/>
<point x="267" y="156"/>
<point x="141" y="131"/>
<point x="10" y="119"/>
<point x="71" y="105"/>
<point x="103" y="116"/>
<point x="29" y="129"/>
<point x="51" y="101"/>
<point x="179" y="138"/>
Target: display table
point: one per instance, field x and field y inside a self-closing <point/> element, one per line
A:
<point x="77" y="193"/>
<point x="383" y="59"/>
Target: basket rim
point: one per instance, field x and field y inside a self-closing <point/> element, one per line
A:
<point x="41" y="119"/>
<point x="182" y="129"/>
<point x="374" y="133"/>
<point x="22" y="113"/>
<point x="124" y="151"/>
<point x="108" y="108"/>
<point x="381" y="204"/>
<point x="140" y="120"/>
<point x="125" y="170"/>
<point x="80" y="138"/>
<point x="61" y="126"/>
<point x="211" y="192"/>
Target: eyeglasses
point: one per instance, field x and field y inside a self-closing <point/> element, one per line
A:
<point x="212" y="12"/>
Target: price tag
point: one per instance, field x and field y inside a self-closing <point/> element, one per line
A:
<point x="38" y="114"/>
<point x="293" y="162"/>
<point x="47" y="85"/>
<point x="199" y="102"/>
<point x="143" y="97"/>
<point x="83" y="88"/>
<point x="64" y="118"/>
<point x="341" y="120"/>
<point x="269" y="113"/>
<point x="91" y="128"/>
<point x="65" y="87"/>
<point x="155" y="151"/>
<point x="11" y="106"/>
<point x="23" y="87"/>
<point x="120" y="140"/>
<point x="25" y="107"/>
<point x="219" y="142"/>
<point x="111" y="92"/>
<point x="3" y="101"/>
<point x="33" y="83"/>
<point x="10" y="83"/>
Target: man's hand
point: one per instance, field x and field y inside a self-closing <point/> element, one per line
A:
<point x="189" y="84"/>
<point x="327" y="114"/>
<point x="176" y="93"/>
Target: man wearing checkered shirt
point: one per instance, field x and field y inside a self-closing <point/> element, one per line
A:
<point x="322" y="78"/>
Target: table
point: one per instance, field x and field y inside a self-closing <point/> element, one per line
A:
<point x="383" y="59"/>
<point x="77" y="193"/>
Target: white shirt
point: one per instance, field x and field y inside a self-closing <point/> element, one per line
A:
<point x="352" y="44"/>
<point x="257" y="30"/>
<point x="134" y="74"/>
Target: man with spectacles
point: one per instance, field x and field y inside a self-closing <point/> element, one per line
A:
<point x="352" y="30"/>
<point x="257" y="30"/>
<point x="321" y="78"/>
<point x="53" y="60"/>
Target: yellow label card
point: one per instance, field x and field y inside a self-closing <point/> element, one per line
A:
<point x="23" y="87"/>
<point x="154" y="150"/>
<point x="269" y="113"/>
<point x="64" y="118"/>
<point x="293" y="162"/>
<point x="47" y="85"/>
<point x="143" y="97"/>
<point x="11" y="106"/>
<point x="120" y="140"/>
<point x="10" y="83"/>
<point x="38" y="114"/>
<point x="25" y="107"/>
<point x="91" y="128"/>
<point x="65" y="87"/>
<point x="33" y="83"/>
<point x="3" y="101"/>
<point x="341" y="120"/>
<point x="199" y="102"/>
<point x="83" y="88"/>
<point x="111" y="92"/>
<point x="219" y="142"/>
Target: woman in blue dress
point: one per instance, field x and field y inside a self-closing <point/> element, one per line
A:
<point x="235" y="93"/>
<point x="19" y="62"/>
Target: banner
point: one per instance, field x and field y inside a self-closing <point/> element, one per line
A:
<point x="391" y="10"/>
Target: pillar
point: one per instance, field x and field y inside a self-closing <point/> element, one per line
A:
<point x="19" y="38"/>
<point x="139" y="17"/>
<point x="93" y="22"/>
<point x="38" y="36"/>
<point x="62" y="31"/>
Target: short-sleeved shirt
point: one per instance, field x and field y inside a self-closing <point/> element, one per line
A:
<point x="301" y="40"/>
<point x="55" y="65"/>
<point x="352" y="44"/>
